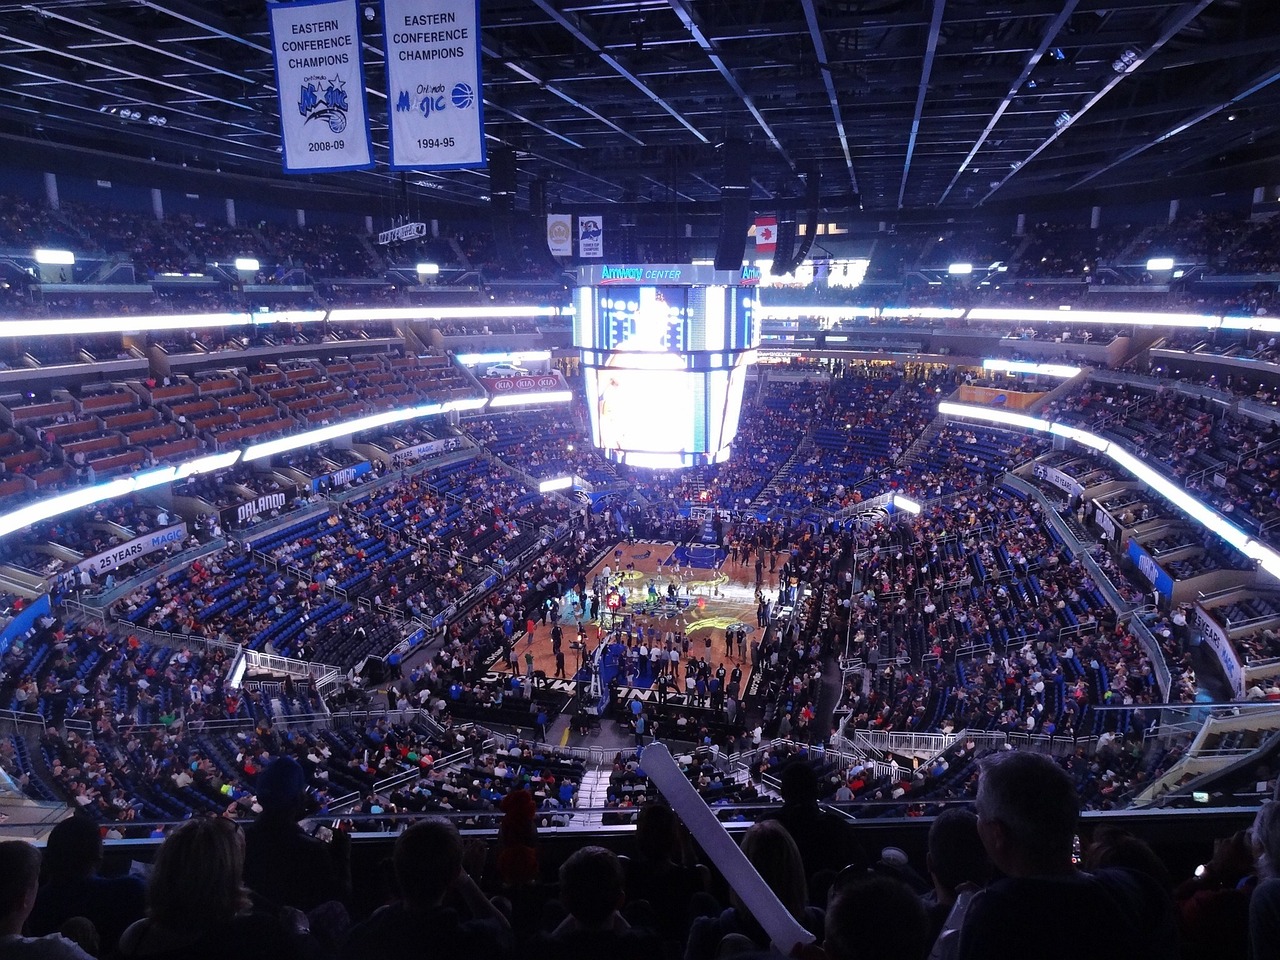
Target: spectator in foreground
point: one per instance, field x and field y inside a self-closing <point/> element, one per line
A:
<point x="73" y="888"/>
<point x="428" y="865"/>
<point x="1027" y="814"/>
<point x="874" y="917"/>
<point x="1264" y="906"/>
<point x="958" y="865"/>
<point x="199" y="909"/>
<point x="281" y="863"/>
<point x="825" y="840"/>
<point x="776" y="858"/>
<point x="592" y="893"/>
<point x="19" y="883"/>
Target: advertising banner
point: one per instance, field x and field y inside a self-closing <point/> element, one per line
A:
<point x="1147" y="566"/>
<point x="243" y="513"/>
<point x="1059" y="479"/>
<point x="436" y="105"/>
<point x="320" y="83"/>
<point x="1106" y="523"/>
<point x="591" y="237"/>
<point x="124" y="553"/>
<point x="560" y="234"/>
<point x="1211" y="632"/>
<point x="417" y="452"/>
<point x="341" y="477"/>
<point x="522" y="383"/>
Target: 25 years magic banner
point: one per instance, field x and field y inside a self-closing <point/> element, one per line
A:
<point x="433" y="84"/>
<point x="320" y="80"/>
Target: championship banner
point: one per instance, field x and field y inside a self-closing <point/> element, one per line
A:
<point x="591" y="236"/>
<point x="320" y="83"/>
<point x="559" y="235"/>
<point x="436" y="116"/>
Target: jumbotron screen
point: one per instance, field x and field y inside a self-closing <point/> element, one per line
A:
<point x="664" y="369"/>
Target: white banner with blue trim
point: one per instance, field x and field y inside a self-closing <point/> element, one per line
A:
<point x="433" y="84"/>
<point x="320" y="80"/>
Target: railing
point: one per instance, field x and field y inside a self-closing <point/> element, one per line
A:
<point x="275" y="663"/>
<point x="1155" y="654"/>
<point x="397" y="780"/>
<point x="20" y="717"/>
<point x="891" y="742"/>
<point x="106" y="598"/>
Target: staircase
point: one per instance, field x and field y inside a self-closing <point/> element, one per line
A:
<point x="458" y="252"/>
<point x="593" y="792"/>
<point x="802" y="451"/>
<point x="922" y="442"/>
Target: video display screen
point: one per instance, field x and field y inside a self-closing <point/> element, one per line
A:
<point x="664" y="370"/>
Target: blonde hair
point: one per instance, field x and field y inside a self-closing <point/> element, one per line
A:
<point x="196" y="881"/>
<point x="774" y="854"/>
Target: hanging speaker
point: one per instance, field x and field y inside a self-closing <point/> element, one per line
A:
<point x="782" y="259"/>
<point x="735" y="205"/>
<point x="812" y="202"/>
<point x="538" y="199"/>
<point x="502" y="200"/>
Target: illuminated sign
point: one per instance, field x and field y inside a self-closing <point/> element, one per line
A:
<point x="406" y="231"/>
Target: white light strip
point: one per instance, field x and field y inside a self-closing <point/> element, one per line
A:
<point x="527" y="399"/>
<point x="513" y="356"/>
<point x="1079" y="436"/>
<point x="1015" y="315"/>
<point x="374" y="420"/>
<point x="367" y="314"/>
<point x="65" y="503"/>
<point x="1061" y="370"/>
<point x="55" y="258"/>
<point x="83" y="326"/>
<point x="906" y="503"/>
<point x="206" y="464"/>
<point x="87" y="496"/>
<point x="1154" y="480"/>
<point x="932" y="313"/>
<point x="72" y="326"/>
<point x="557" y="483"/>
<point x="813" y="313"/>
<point x="995" y="416"/>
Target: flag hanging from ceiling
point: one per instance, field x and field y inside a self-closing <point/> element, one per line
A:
<point x="559" y="235"/>
<point x="320" y="83"/>
<point x="591" y="236"/>
<point x="436" y="109"/>
<point x="766" y="234"/>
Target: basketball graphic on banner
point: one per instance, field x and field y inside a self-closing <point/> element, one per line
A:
<point x="463" y="96"/>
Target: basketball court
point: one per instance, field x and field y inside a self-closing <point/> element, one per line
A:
<point x="711" y="595"/>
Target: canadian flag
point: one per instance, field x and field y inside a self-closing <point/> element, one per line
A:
<point x="766" y="234"/>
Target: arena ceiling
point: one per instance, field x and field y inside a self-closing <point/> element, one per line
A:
<point x="911" y="105"/>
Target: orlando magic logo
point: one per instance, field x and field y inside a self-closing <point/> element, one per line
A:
<point x="324" y="100"/>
